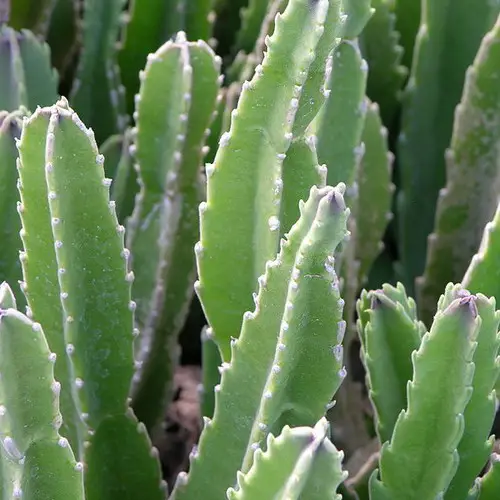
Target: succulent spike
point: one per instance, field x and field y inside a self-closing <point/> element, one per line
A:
<point x="421" y="459"/>
<point x="97" y="310"/>
<point x="122" y="464"/>
<point x="476" y="444"/>
<point x="339" y="141"/>
<point x="375" y="192"/>
<point x="41" y="80"/>
<point x="124" y="187"/>
<point x="142" y="34"/>
<point x="40" y="267"/>
<point x="300" y="463"/>
<point x="247" y="170"/>
<point x="451" y="292"/>
<point x="429" y="101"/>
<point x="358" y="14"/>
<point x="325" y="473"/>
<point x="31" y="396"/>
<point x="7" y="298"/>
<point x="10" y="470"/>
<point x="97" y="94"/>
<point x="27" y="14"/>
<point x="158" y="164"/>
<point x="363" y="310"/>
<point x="489" y="485"/>
<point x="348" y="266"/>
<point x="470" y="197"/>
<point x="252" y="17"/>
<point x="37" y="482"/>
<point x="169" y="203"/>
<point x="349" y="412"/>
<point x="483" y="273"/>
<point x="257" y="356"/>
<point x="12" y="81"/>
<point x="10" y="268"/>
<point x="111" y="149"/>
<point x="339" y="147"/>
<point x="231" y="96"/>
<point x="210" y="364"/>
<point x="379" y="43"/>
<point x="303" y="320"/>
<point x="84" y="284"/>
<point x="244" y="65"/>
<point x="388" y="336"/>
<point x="26" y="77"/>
<point x="314" y="93"/>
<point x="218" y="126"/>
<point x="300" y="167"/>
<point x="63" y="34"/>
<point x="300" y="171"/>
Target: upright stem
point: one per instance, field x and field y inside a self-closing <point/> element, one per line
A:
<point x="4" y="12"/>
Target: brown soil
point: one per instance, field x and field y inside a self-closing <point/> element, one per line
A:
<point x="182" y="423"/>
<point x="182" y="428"/>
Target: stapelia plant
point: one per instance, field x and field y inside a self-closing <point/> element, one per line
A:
<point x="250" y="155"/>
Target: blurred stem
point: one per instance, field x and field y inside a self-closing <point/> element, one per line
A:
<point x="4" y="12"/>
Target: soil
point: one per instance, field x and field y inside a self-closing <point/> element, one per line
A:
<point x="182" y="424"/>
<point x="182" y="428"/>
